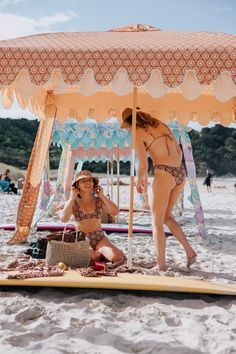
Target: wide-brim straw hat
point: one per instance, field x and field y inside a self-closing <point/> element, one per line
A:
<point x="85" y="174"/>
<point x="125" y="114"/>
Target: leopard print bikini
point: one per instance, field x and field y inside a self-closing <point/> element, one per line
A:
<point x="96" y="236"/>
<point x="177" y="172"/>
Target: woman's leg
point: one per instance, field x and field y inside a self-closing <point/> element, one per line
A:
<point x="174" y="226"/>
<point x="109" y="251"/>
<point x="95" y="255"/>
<point x="161" y="188"/>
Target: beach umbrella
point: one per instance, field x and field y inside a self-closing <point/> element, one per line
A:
<point x="172" y="75"/>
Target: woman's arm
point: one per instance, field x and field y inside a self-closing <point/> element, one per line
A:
<point x="67" y="210"/>
<point x="143" y="163"/>
<point x="108" y="205"/>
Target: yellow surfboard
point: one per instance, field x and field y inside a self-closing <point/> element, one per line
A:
<point x="126" y="281"/>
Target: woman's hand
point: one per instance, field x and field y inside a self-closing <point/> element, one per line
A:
<point x="68" y="207"/>
<point x="141" y="185"/>
<point x="74" y="192"/>
<point x="98" y="191"/>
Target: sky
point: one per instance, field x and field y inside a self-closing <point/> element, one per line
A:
<point x="26" y="17"/>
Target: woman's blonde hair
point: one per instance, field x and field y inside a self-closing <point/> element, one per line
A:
<point x="143" y="119"/>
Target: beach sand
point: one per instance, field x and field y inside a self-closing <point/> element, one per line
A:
<point x="36" y="320"/>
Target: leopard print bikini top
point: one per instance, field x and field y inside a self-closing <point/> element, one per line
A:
<point x="164" y="135"/>
<point x="80" y="215"/>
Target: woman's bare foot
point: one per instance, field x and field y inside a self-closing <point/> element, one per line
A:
<point x="191" y="259"/>
<point x="162" y="267"/>
<point x="156" y="270"/>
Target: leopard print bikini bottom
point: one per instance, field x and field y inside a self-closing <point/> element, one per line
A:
<point x="177" y="172"/>
<point x="95" y="237"/>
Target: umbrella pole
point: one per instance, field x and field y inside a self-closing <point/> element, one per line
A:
<point x="131" y="201"/>
<point x="70" y="173"/>
<point x="108" y="179"/>
<point x="118" y="179"/>
<point x="111" y="159"/>
<point x="118" y="176"/>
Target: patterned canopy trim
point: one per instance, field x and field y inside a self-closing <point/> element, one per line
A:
<point x="139" y="53"/>
<point x="223" y="88"/>
<point x="103" y="154"/>
<point x="90" y="134"/>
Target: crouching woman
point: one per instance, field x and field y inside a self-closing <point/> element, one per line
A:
<point x="86" y="204"/>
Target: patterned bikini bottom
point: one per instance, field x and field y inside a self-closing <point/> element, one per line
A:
<point x="177" y="172"/>
<point x="95" y="237"/>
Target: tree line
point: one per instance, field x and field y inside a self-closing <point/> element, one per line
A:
<point x="213" y="148"/>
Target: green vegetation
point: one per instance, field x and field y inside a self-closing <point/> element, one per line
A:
<point x="216" y="149"/>
<point x="213" y="148"/>
<point x="16" y="142"/>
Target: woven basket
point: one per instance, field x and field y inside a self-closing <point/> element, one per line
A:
<point x="73" y="254"/>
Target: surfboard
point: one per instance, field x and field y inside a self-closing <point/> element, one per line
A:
<point x="109" y="228"/>
<point x="126" y="281"/>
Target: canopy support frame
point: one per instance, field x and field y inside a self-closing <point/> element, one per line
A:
<point x="132" y="164"/>
<point x="34" y="173"/>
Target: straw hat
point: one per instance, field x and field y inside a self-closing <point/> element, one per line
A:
<point x="85" y="174"/>
<point x="125" y="114"/>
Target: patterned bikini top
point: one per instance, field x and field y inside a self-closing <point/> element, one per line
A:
<point x="80" y="215"/>
<point x="165" y="135"/>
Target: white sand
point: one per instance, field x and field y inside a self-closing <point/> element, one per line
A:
<point x="93" y="321"/>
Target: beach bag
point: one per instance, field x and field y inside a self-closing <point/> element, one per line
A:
<point x="38" y="248"/>
<point x="69" y="235"/>
<point x="73" y="254"/>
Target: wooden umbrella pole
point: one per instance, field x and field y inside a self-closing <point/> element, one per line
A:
<point x="108" y="179"/>
<point x="111" y="160"/>
<point x="131" y="201"/>
<point x="118" y="180"/>
<point x="118" y="175"/>
<point x="70" y="173"/>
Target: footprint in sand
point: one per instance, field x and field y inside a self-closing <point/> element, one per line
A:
<point x="30" y="314"/>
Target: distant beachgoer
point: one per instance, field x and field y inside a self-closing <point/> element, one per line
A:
<point x="208" y="181"/>
<point x="86" y="203"/>
<point x="235" y="187"/>
<point x="155" y="138"/>
<point x="7" y="177"/>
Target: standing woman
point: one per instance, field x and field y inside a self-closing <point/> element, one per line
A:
<point x="86" y="204"/>
<point x="154" y="138"/>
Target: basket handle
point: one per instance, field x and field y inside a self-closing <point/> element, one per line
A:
<point x="76" y="232"/>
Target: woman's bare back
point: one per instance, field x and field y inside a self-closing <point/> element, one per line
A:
<point x="162" y="145"/>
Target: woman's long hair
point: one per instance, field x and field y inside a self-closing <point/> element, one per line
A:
<point x="143" y="120"/>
